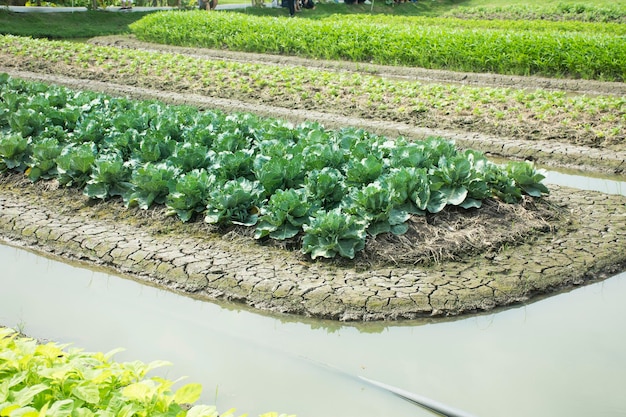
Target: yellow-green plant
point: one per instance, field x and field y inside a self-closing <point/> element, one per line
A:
<point x="48" y="379"/>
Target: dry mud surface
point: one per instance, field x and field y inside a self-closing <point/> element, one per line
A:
<point x="585" y="243"/>
<point x="467" y="263"/>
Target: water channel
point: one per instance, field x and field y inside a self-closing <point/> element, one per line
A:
<point x="564" y="355"/>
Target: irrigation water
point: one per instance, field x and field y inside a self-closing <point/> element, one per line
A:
<point x="562" y="355"/>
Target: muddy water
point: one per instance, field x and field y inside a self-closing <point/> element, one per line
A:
<point x="609" y="184"/>
<point x="561" y="356"/>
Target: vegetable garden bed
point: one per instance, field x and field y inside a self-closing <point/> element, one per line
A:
<point x="557" y="49"/>
<point x="334" y="187"/>
<point x="566" y="121"/>
<point x="456" y="259"/>
<point x="471" y="259"/>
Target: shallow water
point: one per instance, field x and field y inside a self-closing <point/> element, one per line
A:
<point x="560" y="356"/>
<point x="608" y="184"/>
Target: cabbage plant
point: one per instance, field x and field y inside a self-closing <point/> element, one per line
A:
<point x="14" y="151"/>
<point x="109" y="177"/>
<point x="332" y="233"/>
<point x="284" y="215"/>
<point x="326" y="187"/>
<point x="151" y="183"/>
<point x="75" y="163"/>
<point x="374" y="203"/>
<point x="191" y="194"/>
<point x="42" y="160"/>
<point x="236" y="202"/>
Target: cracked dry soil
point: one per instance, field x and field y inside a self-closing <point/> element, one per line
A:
<point x="452" y="263"/>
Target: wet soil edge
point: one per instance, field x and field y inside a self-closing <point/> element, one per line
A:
<point x="588" y="245"/>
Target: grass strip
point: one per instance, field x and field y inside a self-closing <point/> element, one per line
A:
<point x="66" y="25"/>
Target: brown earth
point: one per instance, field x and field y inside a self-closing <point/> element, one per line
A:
<point x="452" y="263"/>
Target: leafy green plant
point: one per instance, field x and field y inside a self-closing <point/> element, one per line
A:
<point x="42" y="160"/>
<point x="276" y="173"/>
<point x="233" y="165"/>
<point x="191" y="194"/>
<point x="151" y="183"/>
<point x="332" y="233"/>
<point x="326" y="187"/>
<point x="364" y="171"/>
<point x="375" y="204"/>
<point x="410" y="188"/>
<point x="321" y="155"/>
<point x="47" y="379"/>
<point x="527" y="178"/>
<point x="236" y="202"/>
<point x="459" y="180"/>
<point x="110" y="176"/>
<point x="189" y="156"/>
<point x="477" y="186"/>
<point x="284" y="215"/>
<point x="14" y="151"/>
<point x="410" y="155"/>
<point x="90" y="129"/>
<point x="27" y="121"/>
<point x="75" y="163"/>
<point x="154" y="148"/>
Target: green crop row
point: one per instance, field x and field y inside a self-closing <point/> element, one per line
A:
<point x="448" y="23"/>
<point x="553" y="12"/>
<point x="327" y="189"/>
<point x="49" y="380"/>
<point x="540" y="114"/>
<point x="521" y="52"/>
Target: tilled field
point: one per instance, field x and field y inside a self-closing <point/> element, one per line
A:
<point x="507" y="116"/>
<point x="469" y="263"/>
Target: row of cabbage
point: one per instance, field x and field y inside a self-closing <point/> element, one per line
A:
<point x="426" y="43"/>
<point x="585" y="12"/>
<point x="47" y="379"/>
<point x="328" y="189"/>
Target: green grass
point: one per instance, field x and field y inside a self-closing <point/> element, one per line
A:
<point x="97" y="23"/>
<point x="66" y="25"/>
